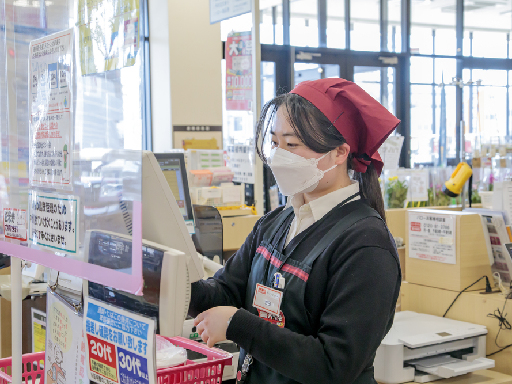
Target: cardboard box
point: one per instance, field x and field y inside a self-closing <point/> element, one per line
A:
<point x="236" y="229"/>
<point x="472" y="307"/>
<point x="471" y="257"/>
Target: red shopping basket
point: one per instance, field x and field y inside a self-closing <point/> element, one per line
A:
<point x="207" y="372"/>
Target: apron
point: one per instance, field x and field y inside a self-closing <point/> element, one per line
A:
<point x="270" y="259"/>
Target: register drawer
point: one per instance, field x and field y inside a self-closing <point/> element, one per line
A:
<point x="445" y="366"/>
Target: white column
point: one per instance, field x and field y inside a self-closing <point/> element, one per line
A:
<point x="256" y="101"/>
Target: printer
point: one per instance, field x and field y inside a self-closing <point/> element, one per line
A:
<point x="424" y="348"/>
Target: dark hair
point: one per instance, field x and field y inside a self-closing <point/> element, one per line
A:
<point x="317" y="133"/>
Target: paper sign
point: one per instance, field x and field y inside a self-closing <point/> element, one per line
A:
<point x="240" y="159"/>
<point x="53" y="221"/>
<point x="231" y="195"/>
<point x="15" y="224"/>
<point x="418" y="184"/>
<point x="390" y="152"/>
<point x="38" y="330"/>
<point x="51" y="154"/>
<point x="121" y="345"/>
<point x="65" y="343"/>
<point x="211" y="193"/>
<point x="432" y="237"/>
<point x="225" y="9"/>
<point x="239" y="71"/>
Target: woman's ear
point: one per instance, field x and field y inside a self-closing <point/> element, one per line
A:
<point x="342" y="153"/>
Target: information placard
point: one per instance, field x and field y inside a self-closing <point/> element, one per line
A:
<point x="65" y="343"/>
<point x="15" y="224"/>
<point x="225" y="9"/>
<point x="239" y="71"/>
<point x="432" y="237"/>
<point x="38" y="330"/>
<point x="53" y="221"/>
<point x="241" y="159"/>
<point x="50" y="63"/>
<point x="121" y="345"/>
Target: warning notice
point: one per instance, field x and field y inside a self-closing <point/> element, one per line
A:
<point x="432" y="237"/>
<point x="53" y="221"/>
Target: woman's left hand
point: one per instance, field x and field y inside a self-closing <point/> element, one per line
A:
<point x="213" y="324"/>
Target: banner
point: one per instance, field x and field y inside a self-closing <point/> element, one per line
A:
<point x="239" y="71"/>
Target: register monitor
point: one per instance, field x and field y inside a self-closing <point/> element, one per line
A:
<point x="166" y="292"/>
<point x="173" y="168"/>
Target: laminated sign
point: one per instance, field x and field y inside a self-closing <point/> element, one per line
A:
<point x="239" y="71"/>
<point x="120" y="345"/>
<point x="50" y="65"/>
<point x="432" y="237"/>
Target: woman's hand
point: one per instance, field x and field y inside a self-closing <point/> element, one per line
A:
<point x="213" y="324"/>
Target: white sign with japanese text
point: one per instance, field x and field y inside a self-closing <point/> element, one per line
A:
<point x="121" y="345"/>
<point x="240" y="159"/>
<point x="390" y="151"/>
<point x="53" y="221"/>
<point x="225" y="9"/>
<point x="65" y="342"/>
<point x="50" y="65"/>
<point x="432" y="237"/>
<point x="15" y="224"/>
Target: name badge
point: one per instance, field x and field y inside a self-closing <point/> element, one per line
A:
<point x="267" y="299"/>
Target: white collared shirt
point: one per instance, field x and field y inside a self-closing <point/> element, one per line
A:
<point x="307" y="214"/>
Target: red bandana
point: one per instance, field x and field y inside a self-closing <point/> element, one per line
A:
<point x="363" y="121"/>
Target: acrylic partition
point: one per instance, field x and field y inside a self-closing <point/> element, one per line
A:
<point x="71" y="96"/>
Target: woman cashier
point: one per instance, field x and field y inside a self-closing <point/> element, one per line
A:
<point x="312" y="291"/>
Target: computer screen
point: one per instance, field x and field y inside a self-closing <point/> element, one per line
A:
<point x="173" y="168"/>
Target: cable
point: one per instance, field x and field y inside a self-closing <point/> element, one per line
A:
<point x="487" y="288"/>
<point x="504" y="324"/>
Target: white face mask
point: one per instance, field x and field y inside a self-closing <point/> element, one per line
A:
<point x="295" y="174"/>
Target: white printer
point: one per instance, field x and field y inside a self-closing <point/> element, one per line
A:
<point x="425" y="348"/>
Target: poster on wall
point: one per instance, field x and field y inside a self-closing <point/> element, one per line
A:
<point x="53" y="221"/>
<point x="50" y="99"/>
<point x="108" y="34"/>
<point x="120" y="345"/>
<point x="239" y="71"/>
<point x="432" y="237"/>
<point x="65" y="343"/>
<point x="241" y="160"/>
<point x="197" y="137"/>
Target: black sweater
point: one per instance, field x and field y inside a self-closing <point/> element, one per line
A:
<point x="350" y="298"/>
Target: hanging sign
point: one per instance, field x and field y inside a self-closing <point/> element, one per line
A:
<point x="120" y="345"/>
<point x="65" y="342"/>
<point x="225" y="9"/>
<point x="15" y="224"/>
<point x="432" y="237"/>
<point x="53" y="221"/>
<point x="50" y="65"/>
<point x="240" y="159"/>
<point x="239" y="71"/>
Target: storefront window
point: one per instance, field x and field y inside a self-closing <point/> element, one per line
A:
<point x="304" y="23"/>
<point x="439" y="16"/>
<point x="336" y="24"/>
<point x="433" y="111"/>
<point x="486" y="27"/>
<point x="365" y="25"/>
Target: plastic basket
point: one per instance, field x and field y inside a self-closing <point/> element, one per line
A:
<point x="207" y="372"/>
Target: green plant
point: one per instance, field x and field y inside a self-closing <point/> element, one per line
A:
<point x="475" y="197"/>
<point x="396" y="192"/>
